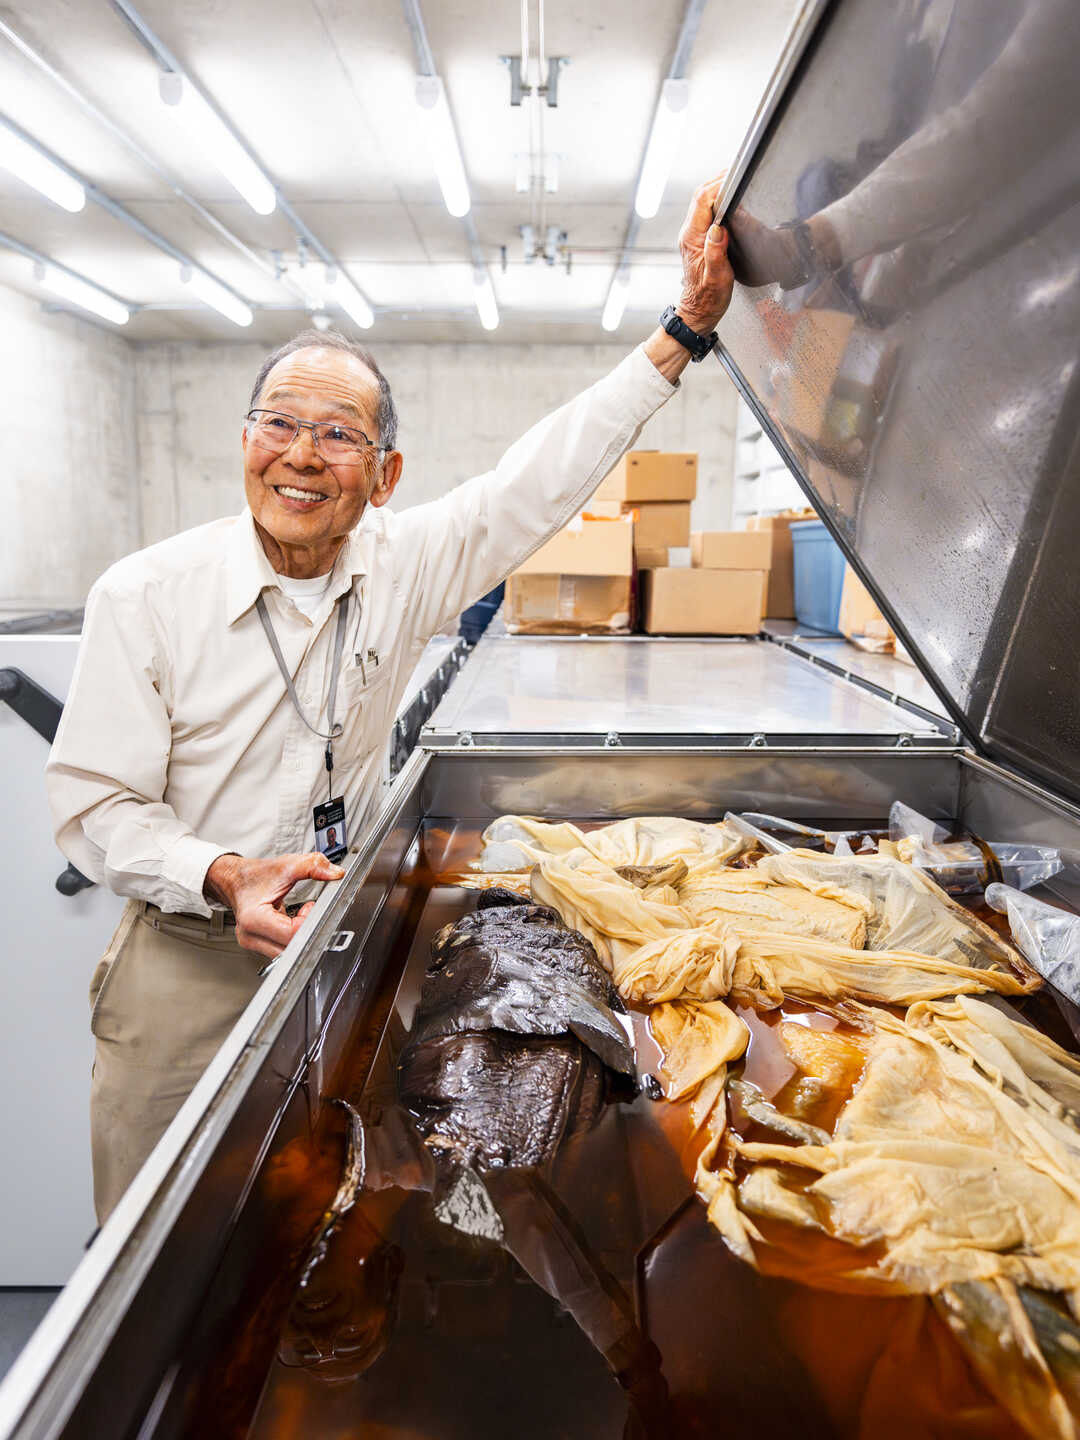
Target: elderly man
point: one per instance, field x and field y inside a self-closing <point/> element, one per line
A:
<point x="237" y="683"/>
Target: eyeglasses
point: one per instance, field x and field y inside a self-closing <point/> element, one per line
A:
<point x="337" y="444"/>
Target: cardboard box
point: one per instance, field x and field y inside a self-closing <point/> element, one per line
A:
<point x="585" y="547"/>
<point x="657" y="523"/>
<point x="731" y="549"/>
<point x="858" y="608"/>
<point x="780" y="594"/>
<point x="702" y="602"/>
<point x="652" y="475"/>
<point x="651" y="559"/>
<point x="568" y="604"/>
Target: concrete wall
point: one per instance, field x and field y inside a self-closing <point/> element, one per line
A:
<point x="460" y="407"/>
<point x="109" y="447"/>
<point x="68" y="473"/>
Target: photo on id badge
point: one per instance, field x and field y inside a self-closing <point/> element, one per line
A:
<point x="330" y="835"/>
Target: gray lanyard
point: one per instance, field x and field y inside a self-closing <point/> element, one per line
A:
<point x="335" y="667"/>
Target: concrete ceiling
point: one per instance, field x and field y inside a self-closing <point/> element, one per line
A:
<point x="322" y="93"/>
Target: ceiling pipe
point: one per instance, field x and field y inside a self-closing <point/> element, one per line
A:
<point x="680" y="60"/>
<point x="168" y="62"/>
<point x="117" y="211"/>
<point x="425" y="65"/>
<point x="46" y="263"/>
<point x="224" y="145"/>
<point x="87" y="106"/>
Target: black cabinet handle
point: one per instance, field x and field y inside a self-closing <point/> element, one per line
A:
<point x="71" y="881"/>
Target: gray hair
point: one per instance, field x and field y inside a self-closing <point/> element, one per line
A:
<point x="385" y="413"/>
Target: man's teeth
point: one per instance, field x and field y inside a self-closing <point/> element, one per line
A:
<point x="295" y="494"/>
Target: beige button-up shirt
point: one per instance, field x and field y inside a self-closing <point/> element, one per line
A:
<point x="178" y="742"/>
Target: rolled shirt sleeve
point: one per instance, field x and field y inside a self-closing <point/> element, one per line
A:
<point x="469" y="540"/>
<point x="107" y="770"/>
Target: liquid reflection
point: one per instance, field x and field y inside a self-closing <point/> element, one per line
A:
<point x="913" y="183"/>
<point x="908" y="317"/>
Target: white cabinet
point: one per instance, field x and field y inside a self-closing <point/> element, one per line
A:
<point x="50" y="946"/>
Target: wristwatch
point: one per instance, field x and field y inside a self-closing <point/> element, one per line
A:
<point x="698" y="345"/>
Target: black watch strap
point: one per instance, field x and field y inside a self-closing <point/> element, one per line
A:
<point x="698" y="345"/>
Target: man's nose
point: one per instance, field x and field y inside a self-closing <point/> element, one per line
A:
<point x="301" y="454"/>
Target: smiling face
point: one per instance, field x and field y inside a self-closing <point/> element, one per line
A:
<point x="303" y="506"/>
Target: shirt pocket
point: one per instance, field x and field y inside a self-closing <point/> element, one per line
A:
<point x="366" y="695"/>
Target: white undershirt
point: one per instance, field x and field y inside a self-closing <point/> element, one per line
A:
<point x="306" y="594"/>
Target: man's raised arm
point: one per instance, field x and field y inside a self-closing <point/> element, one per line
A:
<point x="471" y="539"/>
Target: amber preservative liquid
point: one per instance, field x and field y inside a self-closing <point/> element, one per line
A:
<point x="623" y="1314"/>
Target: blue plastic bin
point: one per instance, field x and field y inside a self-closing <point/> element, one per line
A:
<point x="819" y="575"/>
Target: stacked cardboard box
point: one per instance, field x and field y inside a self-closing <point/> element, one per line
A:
<point x="655" y="488"/>
<point x="689" y="601"/>
<point x="780" y="597"/>
<point x="722" y="593"/>
<point x="580" y="582"/>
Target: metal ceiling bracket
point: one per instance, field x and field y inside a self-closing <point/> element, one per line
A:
<point x="551" y="89"/>
<point x="517" y="89"/>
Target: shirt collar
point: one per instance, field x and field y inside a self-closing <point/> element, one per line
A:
<point x="249" y="572"/>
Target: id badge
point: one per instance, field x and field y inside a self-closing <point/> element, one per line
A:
<point x="330" y="836"/>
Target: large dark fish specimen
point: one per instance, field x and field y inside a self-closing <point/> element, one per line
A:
<point x="514" y="1042"/>
<point x="515" y="1047"/>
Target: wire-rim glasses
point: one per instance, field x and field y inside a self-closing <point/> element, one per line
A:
<point x="337" y="444"/>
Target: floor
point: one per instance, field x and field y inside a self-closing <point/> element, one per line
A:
<point x="20" y="1311"/>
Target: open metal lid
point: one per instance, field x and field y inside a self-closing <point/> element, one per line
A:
<point x="908" y="217"/>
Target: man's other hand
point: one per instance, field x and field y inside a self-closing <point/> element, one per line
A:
<point x="255" y="891"/>
<point x="707" y="276"/>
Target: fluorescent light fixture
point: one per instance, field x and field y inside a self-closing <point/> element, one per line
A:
<point x="215" y="140"/>
<point x="81" y="293"/>
<point x="323" y="285"/>
<point x="211" y="292"/>
<point x="667" y="128"/>
<point x="443" y="143"/>
<point x="35" y="169"/>
<point x="616" y="301"/>
<point x="344" y="293"/>
<point x="484" y="296"/>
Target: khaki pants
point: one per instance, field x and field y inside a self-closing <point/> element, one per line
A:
<point x="166" y="994"/>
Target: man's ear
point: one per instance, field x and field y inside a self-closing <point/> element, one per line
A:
<point x="389" y="476"/>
